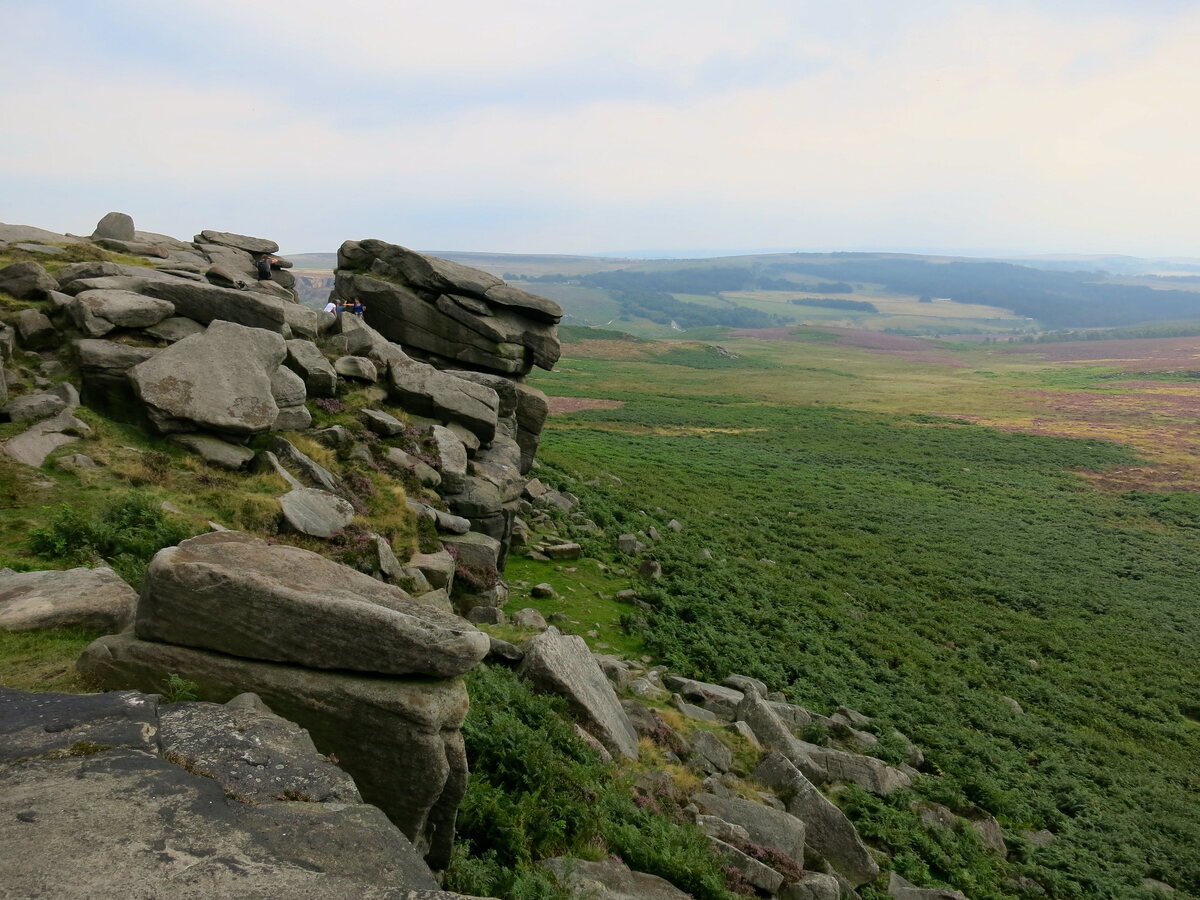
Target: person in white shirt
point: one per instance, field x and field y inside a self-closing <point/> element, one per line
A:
<point x="332" y="307"/>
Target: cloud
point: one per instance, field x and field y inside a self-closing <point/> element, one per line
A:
<point x="595" y="126"/>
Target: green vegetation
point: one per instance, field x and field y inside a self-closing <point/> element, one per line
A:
<point x="921" y="571"/>
<point x="536" y="791"/>
<point x="43" y="660"/>
<point x="126" y="534"/>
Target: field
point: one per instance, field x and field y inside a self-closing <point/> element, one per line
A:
<point x="925" y="531"/>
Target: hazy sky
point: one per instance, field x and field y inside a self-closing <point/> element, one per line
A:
<point x="580" y="126"/>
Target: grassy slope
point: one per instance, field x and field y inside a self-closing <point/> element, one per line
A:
<point x="917" y="570"/>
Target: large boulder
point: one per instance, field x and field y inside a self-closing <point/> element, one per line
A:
<point x="827" y="830"/>
<point x="306" y="360"/>
<point x="239" y="595"/>
<point x="26" y="280"/>
<point x="232" y="802"/>
<point x="421" y="389"/>
<point x="218" y="380"/>
<point x="239" y="241"/>
<point x="901" y="889"/>
<point x="117" y="226"/>
<point x="315" y="512"/>
<point x="767" y="827"/>
<point x="562" y="664"/>
<point x="96" y="313"/>
<point x="398" y="737"/>
<point x="441" y="276"/>
<point x="450" y="327"/>
<point x="206" y="303"/>
<point x="98" y="599"/>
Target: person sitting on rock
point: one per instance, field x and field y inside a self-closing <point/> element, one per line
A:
<point x="264" y="266"/>
<point x="332" y="307"/>
<point x="358" y="307"/>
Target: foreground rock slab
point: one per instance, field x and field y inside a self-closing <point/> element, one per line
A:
<point x="73" y="598"/>
<point x="562" y="664"/>
<point x="609" y="880"/>
<point x="92" y="809"/>
<point x="397" y="737"/>
<point x="236" y="594"/>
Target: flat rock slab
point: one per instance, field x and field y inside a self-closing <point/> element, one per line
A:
<point x="215" y="451"/>
<point x="240" y="241"/>
<point x="562" y="664"/>
<point x="253" y="753"/>
<point x="235" y="594"/>
<point x="219" y="380"/>
<point x="609" y="880"/>
<point x="96" y="808"/>
<point x="767" y="827"/>
<point x="98" y="599"/>
<point x="174" y="328"/>
<point x="315" y="512"/>
<point x="397" y="737"/>
<point x="33" y="725"/>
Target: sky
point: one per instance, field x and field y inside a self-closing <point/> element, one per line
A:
<point x="612" y="127"/>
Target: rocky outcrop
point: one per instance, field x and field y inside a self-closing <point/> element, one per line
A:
<point x="377" y="688"/>
<point x="107" y="794"/>
<point x="97" y="599"/>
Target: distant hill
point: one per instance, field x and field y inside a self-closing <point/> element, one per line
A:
<point x="879" y="291"/>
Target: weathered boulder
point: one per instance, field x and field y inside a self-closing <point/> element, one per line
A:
<point x="709" y="755"/>
<point x="423" y="390"/>
<point x="102" y="368"/>
<point x="175" y="328"/>
<point x="31" y="447"/>
<point x="239" y="241"/>
<point x="35" y="407"/>
<point x="308" y="467"/>
<point x="609" y="879"/>
<point x="206" y="303"/>
<point x="473" y="549"/>
<point x="437" y="567"/>
<point x="215" y="451"/>
<point x="383" y="424"/>
<point x="562" y="664"/>
<point x="315" y="512"/>
<point x="773" y="828"/>
<point x="27" y="280"/>
<point x="812" y="886"/>
<point x="495" y="338"/>
<point x="902" y="889"/>
<point x="827" y="830"/>
<point x="441" y="276"/>
<point x="96" y="807"/>
<point x="35" y="330"/>
<point x="397" y="737"/>
<point x="117" y="226"/>
<point x="219" y="380"/>
<point x="756" y="873"/>
<point x="358" y="367"/>
<point x="238" y="595"/>
<point x="73" y="598"/>
<point x="96" y="313"/>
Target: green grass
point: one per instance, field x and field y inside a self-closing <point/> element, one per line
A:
<point x="43" y="660"/>
<point x="919" y="567"/>
<point x="585" y="597"/>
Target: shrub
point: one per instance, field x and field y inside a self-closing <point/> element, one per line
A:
<point x="127" y="533"/>
<point x="537" y="791"/>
